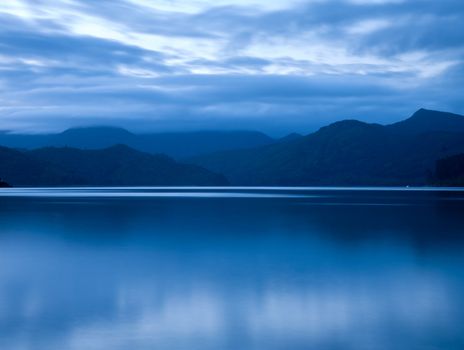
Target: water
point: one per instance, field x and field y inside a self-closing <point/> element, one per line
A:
<point x="186" y="268"/>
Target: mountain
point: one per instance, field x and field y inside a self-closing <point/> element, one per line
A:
<point x="181" y="144"/>
<point x="18" y="168"/>
<point x="3" y="184"/>
<point x="348" y="152"/>
<point x="289" y="137"/>
<point x="450" y="171"/>
<point x="115" y="166"/>
<point x="425" y="120"/>
<point x="93" y="137"/>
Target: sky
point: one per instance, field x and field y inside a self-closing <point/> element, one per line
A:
<point x="270" y="65"/>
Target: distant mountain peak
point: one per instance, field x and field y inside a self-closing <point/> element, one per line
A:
<point x="347" y="124"/>
<point x="174" y="144"/>
<point x="97" y="129"/>
<point x="423" y="110"/>
<point x="430" y="113"/>
<point x="426" y="120"/>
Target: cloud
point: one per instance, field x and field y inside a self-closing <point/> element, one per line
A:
<point x="272" y="65"/>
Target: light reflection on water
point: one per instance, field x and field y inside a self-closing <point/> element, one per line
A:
<point x="231" y="269"/>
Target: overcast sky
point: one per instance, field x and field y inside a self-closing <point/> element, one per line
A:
<point x="270" y="65"/>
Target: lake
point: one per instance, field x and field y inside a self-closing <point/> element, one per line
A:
<point x="231" y="268"/>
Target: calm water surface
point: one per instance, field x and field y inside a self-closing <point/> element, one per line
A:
<point x="186" y="268"/>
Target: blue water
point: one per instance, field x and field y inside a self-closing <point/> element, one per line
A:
<point x="240" y="268"/>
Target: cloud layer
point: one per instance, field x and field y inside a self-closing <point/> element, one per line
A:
<point x="273" y="65"/>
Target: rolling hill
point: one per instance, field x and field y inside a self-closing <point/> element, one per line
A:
<point x="348" y="152"/>
<point x="115" y="166"/>
<point x="180" y="144"/>
<point x="345" y="153"/>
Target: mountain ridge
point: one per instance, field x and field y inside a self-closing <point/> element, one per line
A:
<point x="348" y="152"/>
<point x="424" y="120"/>
<point x="118" y="165"/>
<point x="174" y="144"/>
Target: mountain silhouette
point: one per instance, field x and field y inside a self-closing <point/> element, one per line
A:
<point x="450" y="171"/>
<point x="345" y="153"/>
<point x="289" y="137"/>
<point x="115" y="166"/>
<point x="174" y="144"/>
<point x="425" y="120"/>
<point x="348" y="152"/>
<point x="93" y="137"/>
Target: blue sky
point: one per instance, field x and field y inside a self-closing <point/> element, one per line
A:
<point x="270" y="65"/>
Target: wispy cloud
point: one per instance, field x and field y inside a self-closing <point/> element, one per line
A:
<point x="273" y="65"/>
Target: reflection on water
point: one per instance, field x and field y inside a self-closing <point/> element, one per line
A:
<point x="155" y="268"/>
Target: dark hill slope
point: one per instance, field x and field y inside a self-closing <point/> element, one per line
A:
<point x="425" y="120"/>
<point x="3" y="184"/>
<point x="450" y="171"/>
<point x="20" y="169"/>
<point x="114" y="166"/>
<point x="344" y="153"/>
